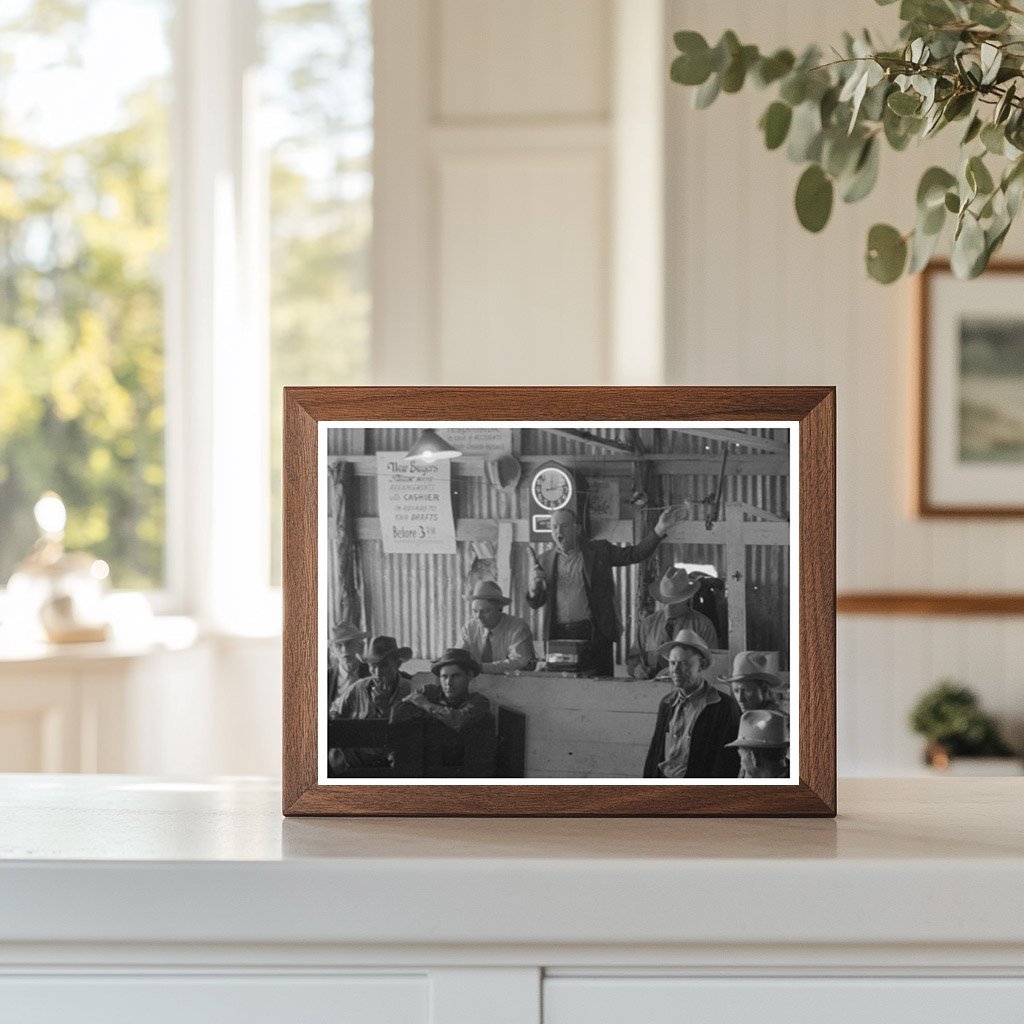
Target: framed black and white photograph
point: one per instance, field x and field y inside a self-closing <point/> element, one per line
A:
<point x="557" y="608"/>
<point x="970" y="451"/>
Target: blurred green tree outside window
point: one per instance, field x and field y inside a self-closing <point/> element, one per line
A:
<point x="83" y="238"/>
<point x="317" y="121"/>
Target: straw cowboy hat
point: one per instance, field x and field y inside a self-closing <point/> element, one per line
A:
<point x="488" y="590"/>
<point x="503" y="473"/>
<point x="456" y="656"/>
<point x="687" y="638"/>
<point x="676" y="585"/>
<point x="382" y="647"/>
<point x="751" y="667"/>
<point x="762" y="730"/>
<point x="347" y="630"/>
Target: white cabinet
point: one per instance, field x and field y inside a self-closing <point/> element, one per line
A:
<point x="129" y="897"/>
<point x="823" y="1000"/>
<point x="202" y="999"/>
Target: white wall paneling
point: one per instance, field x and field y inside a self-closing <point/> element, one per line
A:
<point x="495" y="197"/>
<point x="752" y="298"/>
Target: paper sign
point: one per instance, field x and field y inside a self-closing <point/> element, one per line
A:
<point x="415" y="501"/>
<point x="603" y="505"/>
<point x="479" y="442"/>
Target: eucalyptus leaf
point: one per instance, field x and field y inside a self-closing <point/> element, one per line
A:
<point x="771" y="69"/>
<point x="993" y="138"/>
<point x="931" y="190"/>
<point x="775" y="124"/>
<point x="987" y="15"/>
<point x="991" y="60"/>
<point x="865" y="173"/>
<point x="794" y="88"/>
<point x="725" y="49"/>
<point x="978" y="176"/>
<point x="904" y="103"/>
<point x="972" y="132"/>
<point x="707" y="93"/>
<point x="1004" y="106"/>
<point x="805" y="133"/>
<point x="814" y="194"/>
<point x="922" y="248"/>
<point x="886" y="253"/>
<point x="952" y="202"/>
<point x="968" y="247"/>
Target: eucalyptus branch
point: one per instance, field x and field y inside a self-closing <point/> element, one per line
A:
<point x="833" y="117"/>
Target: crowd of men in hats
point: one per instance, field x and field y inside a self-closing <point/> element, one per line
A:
<point x="701" y="731"/>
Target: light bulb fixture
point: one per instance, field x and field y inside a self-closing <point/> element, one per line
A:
<point x="431" y="447"/>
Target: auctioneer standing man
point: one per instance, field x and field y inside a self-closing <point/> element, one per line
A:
<point x="574" y="583"/>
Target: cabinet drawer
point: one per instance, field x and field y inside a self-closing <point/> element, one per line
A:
<point x="783" y="1000"/>
<point x="202" y="999"/>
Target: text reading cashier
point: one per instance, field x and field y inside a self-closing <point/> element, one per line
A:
<point x="573" y="582"/>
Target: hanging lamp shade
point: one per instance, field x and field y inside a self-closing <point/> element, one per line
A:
<point x="431" y="446"/>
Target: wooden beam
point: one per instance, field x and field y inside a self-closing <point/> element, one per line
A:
<point x="914" y="603"/>
<point x="740" y="438"/>
<point x="613" y="465"/>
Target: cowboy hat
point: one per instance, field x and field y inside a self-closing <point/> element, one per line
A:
<point x="456" y="656"/>
<point x="762" y="730"/>
<point x="346" y="630"/>
<point x="382" y="647"/>
<point x="488" y="590"/>
<point x="676" y="585"/>
<point x="687" y="638"/>
<point x="751" y="667"/>
<point x="503" y="473"/>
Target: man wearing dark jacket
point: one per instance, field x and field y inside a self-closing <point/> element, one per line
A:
<point x="574" y="583"/>
<point x="695" y="721"/>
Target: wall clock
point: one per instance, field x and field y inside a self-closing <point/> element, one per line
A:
<point x="552" y="487"/>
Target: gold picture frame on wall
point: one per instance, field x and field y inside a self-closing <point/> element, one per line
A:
<point x="970" y="385"/>
<point x="342" y="448"/>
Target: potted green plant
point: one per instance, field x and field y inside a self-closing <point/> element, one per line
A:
<point x="950" y="718"/>
<point x="955" y="62"/>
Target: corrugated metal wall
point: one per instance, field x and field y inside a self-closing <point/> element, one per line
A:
<point x="421" y="598"/>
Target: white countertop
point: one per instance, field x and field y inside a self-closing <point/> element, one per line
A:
<point x="124" y="859"/>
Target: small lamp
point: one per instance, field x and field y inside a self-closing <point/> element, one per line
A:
<point x="430" y="447"/>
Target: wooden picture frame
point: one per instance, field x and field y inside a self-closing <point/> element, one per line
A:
<point x="969" y="449"/>
<point x="808" y="412"/>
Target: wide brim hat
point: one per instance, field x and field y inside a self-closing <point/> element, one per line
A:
<point x="762" y="730"/>
<point x="676" y="585"/>
<point x="751" y="667"/>
<point x="382" y="647"/>
<point x="488" y="590"/>
<point x="456" y="656"/>
<point x="504" y="472"/>
<point x="347" y="630"/>
<point x="688" y="638"/>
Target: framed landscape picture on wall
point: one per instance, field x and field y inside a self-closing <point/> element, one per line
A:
<point x="970" y="445"/>
<point x="577" y="601"/>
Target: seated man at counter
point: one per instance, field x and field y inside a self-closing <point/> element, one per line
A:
<point x="752" y="683"/>
<point x="499" y="641"/>
<point x="695" y="722"/>
<point x="763" y="743"/>
<point x="459" y="729"/>
<point x="574" y="583"/>
<point x="376" y="697"/>
<point x="673" y="592"/>
<point x="345" y="664"/>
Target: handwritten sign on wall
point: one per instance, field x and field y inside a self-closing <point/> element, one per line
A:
<point x="415" y="502"/>
<point x="479" y="442"/>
